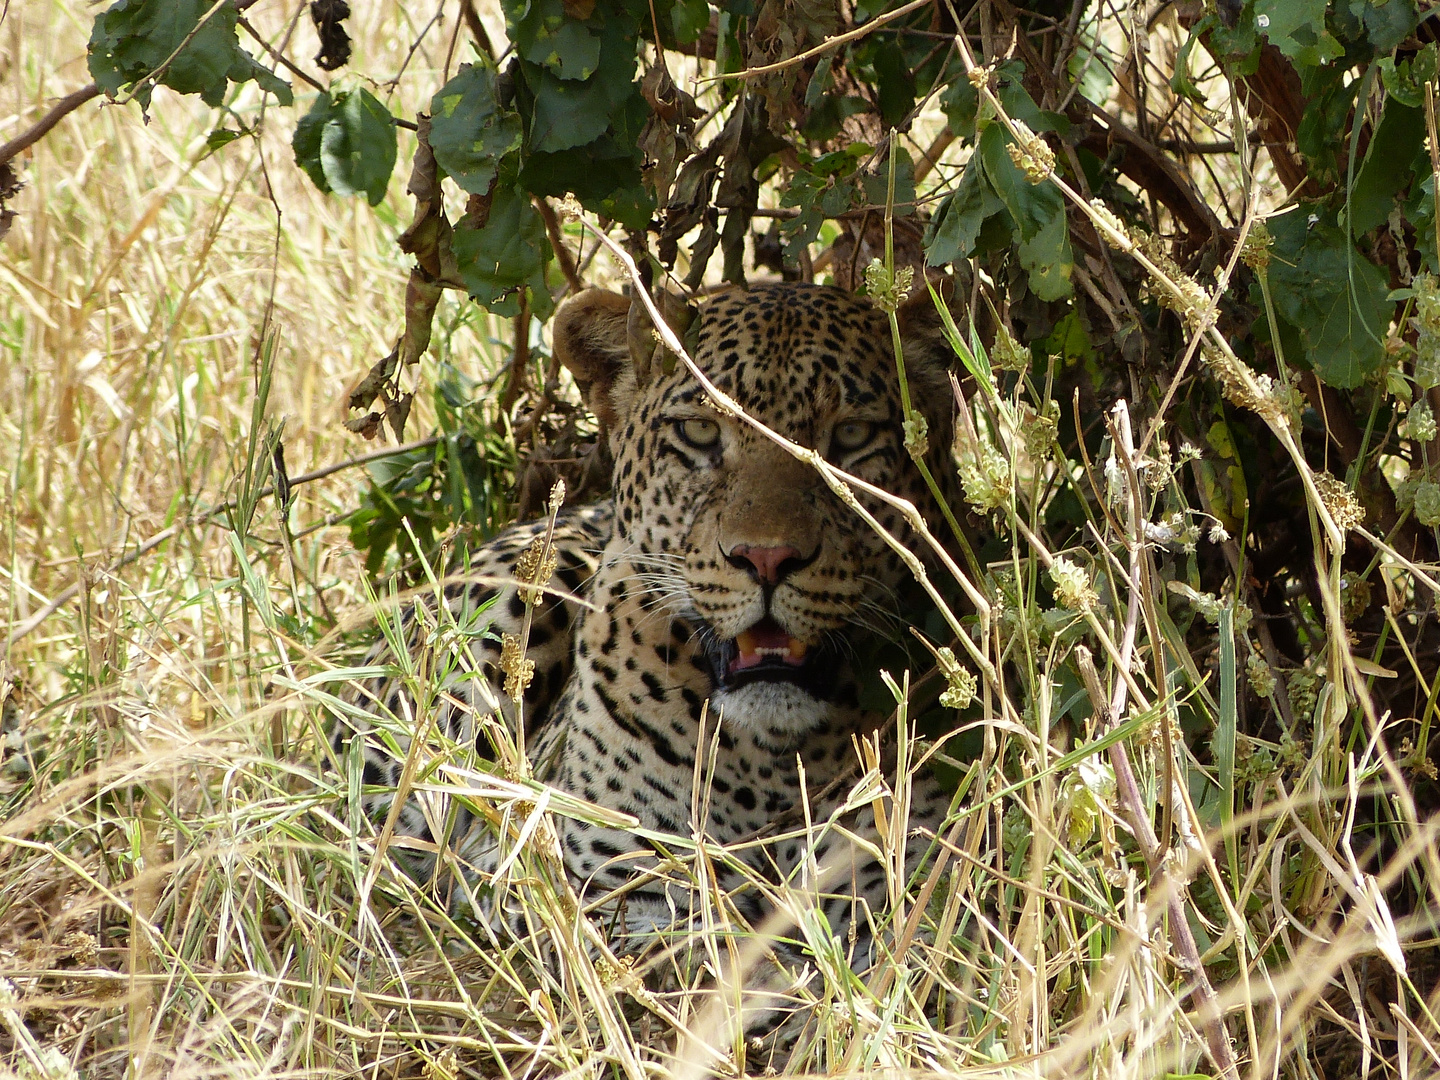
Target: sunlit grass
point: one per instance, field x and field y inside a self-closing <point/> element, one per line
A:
<point x="188" y="884"/>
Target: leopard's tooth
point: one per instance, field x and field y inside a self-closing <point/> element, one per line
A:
<point x="798" y="649"/>
<point x="745" y="642"/>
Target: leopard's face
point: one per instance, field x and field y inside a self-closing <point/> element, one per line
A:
<point x="745" y="543"/>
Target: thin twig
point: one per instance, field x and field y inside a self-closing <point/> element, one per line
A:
<point x="825" y="46"/>
<point x="557" y="243"/>
<point x="215" y="511"/>
<point x="62" y="108"/>
<point x="279" y="57"/>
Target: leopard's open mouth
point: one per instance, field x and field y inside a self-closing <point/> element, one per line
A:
<point x="766" y="653"/>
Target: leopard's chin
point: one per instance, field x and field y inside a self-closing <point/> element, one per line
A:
<point x="776" y="708"/>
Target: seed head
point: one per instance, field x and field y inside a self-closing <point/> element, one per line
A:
<point x="1427" y="503"/>
<point x="1255" y="253"/>
<point x="535" y="568"/>
<point x="1420" y="421"/>
<point x="1341" y="502"/>
<point x="1031" y="154"/>
<point x="1007" y="353"/>
<point x="1072" y="586"/>
<point x="985" y="476"/>
<point x="960" y="683"/>
<point x="518" y="670"/>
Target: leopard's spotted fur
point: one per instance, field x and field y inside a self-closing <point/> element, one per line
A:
<point x="711" y="529"/>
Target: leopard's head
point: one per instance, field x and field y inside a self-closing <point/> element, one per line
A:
<point x="731" y="533"/>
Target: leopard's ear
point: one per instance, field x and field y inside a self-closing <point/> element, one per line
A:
<point x="608" y="343"/>
<point x="592" y="339"/>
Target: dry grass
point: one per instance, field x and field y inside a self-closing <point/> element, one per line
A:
<point x="185" y="889"/>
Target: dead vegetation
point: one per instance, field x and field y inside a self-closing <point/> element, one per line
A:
<point x="1196" y="828"/>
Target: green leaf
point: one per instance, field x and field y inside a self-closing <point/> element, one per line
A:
<point x="347" y="144"/>
<point x="689" y="19"/>
<point x="545" y="35"/>
<point x="1386" y="24"/>
<point x="358" y="146"/>
<point x="1297" y="29"/>
<point x="1048" y="258"/>
<point x="955" y="229"/>
<point x="1069" y="340"/>
<point x="1331" y="294"/>
<point x="894" y="81"/>
<point x="604" y="176"/>
<point x="133" y="38"/>
<point x="470" y="130"/>
<point x="565" y="113"/>
<point x="578" y="75"/>
<point x="1321" y="135"/>
<point x="1386" y="168"/>
<point x="1019" y="105"/>
<point x="246" y="68"/>
<point x="826" y="189"/>
<point x="1180" y="81"/>
<point x="1240" y="44"/>
<point x="877" y="184"/>
<point x="221" y="137"/>
<point x="1420" y="211"/>
<point x="1405" y="81"/>
<point x="508" y="252"/>
<point x="1038" y="211"/>
<point x="306" y="141"/>
<point x="826" y="118"/>
<point x="961" y="103"/>
<point x="819" y="84"/>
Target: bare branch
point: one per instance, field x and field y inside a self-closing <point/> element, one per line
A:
<point x="62" y="108"/>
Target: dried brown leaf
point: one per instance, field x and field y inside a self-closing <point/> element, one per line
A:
<point x="421" y="296"/>
<point x="396" y="413"/>
<point x="373" y="384"/>
<point x="367" y="426"/>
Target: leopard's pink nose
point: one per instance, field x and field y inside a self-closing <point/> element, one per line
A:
<point x="766" y="564"/>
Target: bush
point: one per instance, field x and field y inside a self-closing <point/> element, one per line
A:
<point x="1198" y="454"/>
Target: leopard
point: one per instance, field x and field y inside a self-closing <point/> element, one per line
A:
<point x="707" y="619"/>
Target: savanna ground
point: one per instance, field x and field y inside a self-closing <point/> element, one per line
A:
<point x="186" y="889"/>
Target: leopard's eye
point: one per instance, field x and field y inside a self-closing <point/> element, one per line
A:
<point x="852" y="434"/>
<point x="701" y="434"/>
